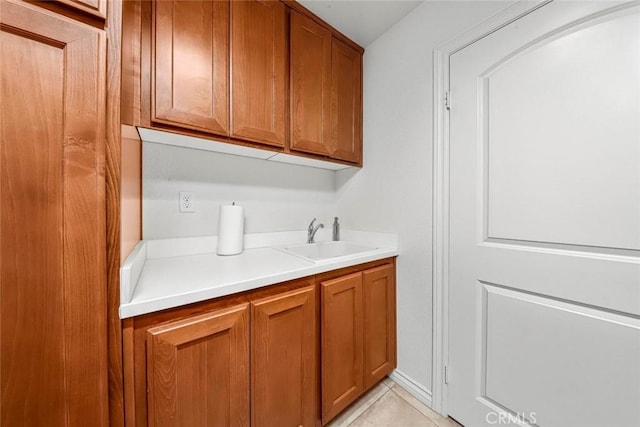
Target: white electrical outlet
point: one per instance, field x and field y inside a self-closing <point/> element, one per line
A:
<point x="187" y="202"/>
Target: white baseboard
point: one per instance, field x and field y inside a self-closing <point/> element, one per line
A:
<point x="416" y="390"/>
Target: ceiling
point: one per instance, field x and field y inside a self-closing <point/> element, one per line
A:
<point x="363" y="21"/>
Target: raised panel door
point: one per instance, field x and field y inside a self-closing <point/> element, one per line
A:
<point x="379" y="295"/>
<point x="346" y="102"/>
<point x="284" y="359"/>
<point x="258" y="71"/>
<point x="190" y="64"/>
<point x="310" y="86"/>
<point x="53" y="362"/>
<point x="544" y="206"/>
<point x="94" y="7"/>
<point x="198" y="370"/>
<point x="342" y="343"/>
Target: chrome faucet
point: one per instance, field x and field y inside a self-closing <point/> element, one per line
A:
<point x="311" y="232"/>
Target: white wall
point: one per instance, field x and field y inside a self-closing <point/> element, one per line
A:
<point x="393" y="191"/>
<point x="275" y="196"/>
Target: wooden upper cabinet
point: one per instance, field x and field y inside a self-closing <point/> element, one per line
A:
<point x="379" y="293"/>
<point x="198" y="370"/>
<point x="53" y="310"/>
<point x="93" y="7"/>
<point x="190" y="64"/>
<point x="342" y="343"/>
<point x="258" y="71"/>
<point x="310" y="86"/>
<point x="346" y="102"/>
<point x="284" y="359"/>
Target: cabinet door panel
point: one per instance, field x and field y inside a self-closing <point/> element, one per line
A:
<point x="284" y="359"/>
<point x="379" y="323"/>
<point x="93" y="7"/>
<point x="310" y="86"/>
<point x="258" y="76"/>
<point x="190" y="64"/>
<point x="342" y="343"/>
<point x="53" y="362"/>
<point x="198" y="370"/>
<point x="346" y="102"/>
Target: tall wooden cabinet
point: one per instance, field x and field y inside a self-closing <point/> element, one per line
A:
<point x="53" y="365"/>
<point x="358" y="328"/>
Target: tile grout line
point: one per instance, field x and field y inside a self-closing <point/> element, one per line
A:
<point x="371" y="404"/>
<point x="434" y="419"/>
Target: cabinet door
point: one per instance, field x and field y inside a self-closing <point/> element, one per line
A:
<point x="258" y="71"/>
<point x="284" y="360"/>
<point x="346" y="102"/>
<point x="342" y="343"/>
<point x="53" y="362"/>
<point x="198" y="370"/>
<point x="310" y="86"/>
<point x="379" y="293"/>
<point x="94" y="7"/>
<point x="190" y="84"/>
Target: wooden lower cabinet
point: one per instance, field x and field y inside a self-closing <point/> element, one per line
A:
<point x="53" y="305"/>
<point x="284" y="355"/>
<point x="358" y="329"/>
<point x="240" y="360"/>
<point x="198" y="370"/>
<point x="254" y="358"/>
<point x="379" y="296"/>
<point x="342" y="343"/>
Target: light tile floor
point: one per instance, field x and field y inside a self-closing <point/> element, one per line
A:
<point x="390" y="405"/>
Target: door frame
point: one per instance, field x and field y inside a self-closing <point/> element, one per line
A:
<point x="440" y="198"/>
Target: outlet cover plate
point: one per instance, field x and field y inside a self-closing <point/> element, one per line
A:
<point x="187" y="202"/>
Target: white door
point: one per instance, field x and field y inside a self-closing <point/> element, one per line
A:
<point x="544" y="277"/>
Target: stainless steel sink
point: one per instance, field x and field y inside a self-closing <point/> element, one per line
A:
<point x="326" y="250"/>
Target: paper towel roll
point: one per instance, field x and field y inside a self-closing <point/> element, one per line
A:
<point x="230" y="230"/>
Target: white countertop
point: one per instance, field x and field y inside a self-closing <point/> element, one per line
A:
<point x="161" y="274"/>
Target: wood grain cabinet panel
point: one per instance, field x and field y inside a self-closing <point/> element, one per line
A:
<point x="53" y="362"/>
<point x="358" y="329"/>
<point x="379" y="294"/>
<point x="346" y="102"/>
<point x="198" y="370"/>
<point x="258" y="71"/>
<point x="190" y="60"/>
<point x="342" y="343"/>
<point x="310" y="86"/>
<point x="284" y="359"/>
<point x="93" y="7"/>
